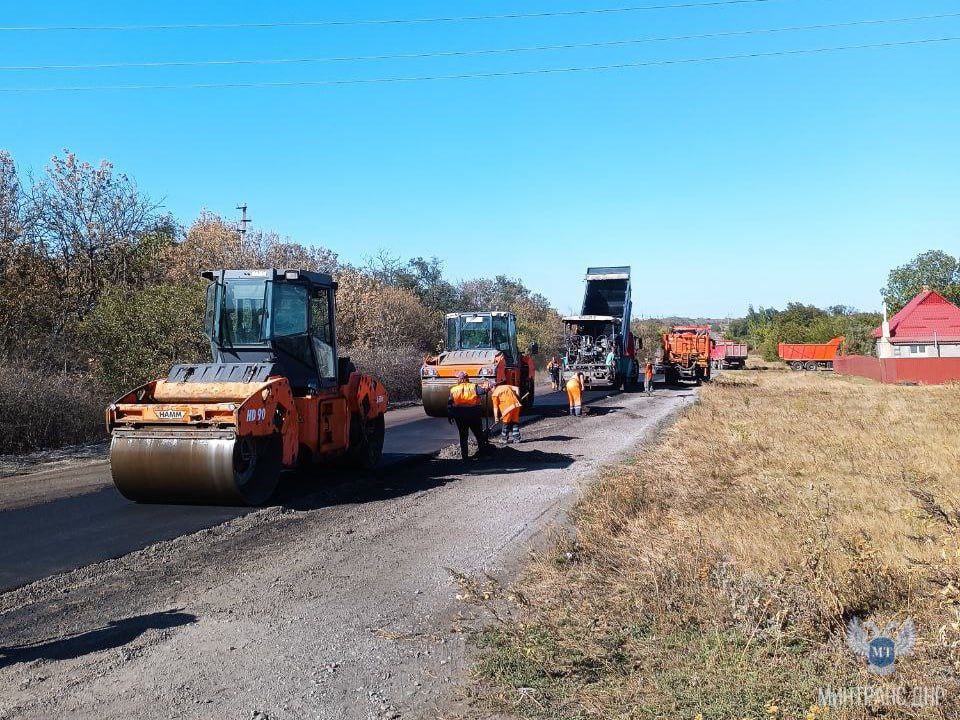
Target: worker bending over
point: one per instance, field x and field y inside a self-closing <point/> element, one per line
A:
<point x="465" y="407"/>
<point x="506" y="410"/>
<point x="575" y="392"/>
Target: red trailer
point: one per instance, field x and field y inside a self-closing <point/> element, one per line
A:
<point x="811" y="356"/>
<point x="729" y="355"/>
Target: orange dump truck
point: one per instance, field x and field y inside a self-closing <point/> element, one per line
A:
<point x="686" y="353"/>
<point x="811" y="356"/>
<point x="483" y="345"/>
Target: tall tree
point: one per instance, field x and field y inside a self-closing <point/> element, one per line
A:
<point x="87" y="222"/>
<point x="212" y="243"/>
<point x="934" y="268"/>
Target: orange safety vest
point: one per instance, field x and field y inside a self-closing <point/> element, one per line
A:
<point x="506" y="402"/>
<point x="648" y="371"/>
<point x="465" y="395"/>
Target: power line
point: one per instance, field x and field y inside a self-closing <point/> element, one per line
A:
<point x="460" y="53"/>
<point x="475" y="76"/>
<point x="378" y="21"/>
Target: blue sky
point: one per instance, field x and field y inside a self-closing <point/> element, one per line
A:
<point x="744" y="181"/>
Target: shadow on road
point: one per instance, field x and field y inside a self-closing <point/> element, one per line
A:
<point x="593" y="411"/>
<point x="116" y="634"/>
<point x="502" y="461"/>
<point x="300" y="491"/>
<point x="300" y="494"/>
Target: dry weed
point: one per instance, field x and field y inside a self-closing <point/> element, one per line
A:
<point x="716" y="572"/>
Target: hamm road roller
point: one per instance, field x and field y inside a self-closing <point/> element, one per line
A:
<point x="483" y="345"/>
<point x="275" y="396"/>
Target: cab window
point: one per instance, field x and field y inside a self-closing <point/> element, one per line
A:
<point x="475" y="332"/>
<point x="452" y="342"/>
<point x="210" y="312"/>
<point x="289" y="309"/>
<point x="243" y="311"/>
<point x="321" y="333"/>
<point x="501" y="334"/>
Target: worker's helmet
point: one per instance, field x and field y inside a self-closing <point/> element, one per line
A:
<point x="462" y="376"/>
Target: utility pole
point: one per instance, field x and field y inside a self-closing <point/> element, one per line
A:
<point x="243" y="223"/>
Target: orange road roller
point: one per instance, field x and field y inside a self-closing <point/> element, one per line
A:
<point x="276" y="396"/>
<point x="483" y="345"/>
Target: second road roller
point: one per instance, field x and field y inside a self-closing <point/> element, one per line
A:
<point x="483" y="345"/>
<point x="275" y="396"/>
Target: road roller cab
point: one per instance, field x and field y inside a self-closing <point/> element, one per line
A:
<point x="483" y="345"/>
<point x="276" y="395"/>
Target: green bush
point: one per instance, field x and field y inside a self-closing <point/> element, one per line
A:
<point x="134" y="335"/>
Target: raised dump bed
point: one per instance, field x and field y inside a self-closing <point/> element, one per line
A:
<point x="598" y="341"/>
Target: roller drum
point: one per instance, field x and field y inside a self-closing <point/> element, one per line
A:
<point x="194" y="467"/>
<point x="435" y="396"/>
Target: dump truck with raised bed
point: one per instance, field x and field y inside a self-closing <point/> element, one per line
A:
<point x="811" y="356"/>
<point x="275" y="396"/>
<point x="685" y="353"/>
<point x="598" y="341"/>
<point x="483" y="345"/>
<point x="729" y="355"/>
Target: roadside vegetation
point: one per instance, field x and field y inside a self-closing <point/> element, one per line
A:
<point x="100" y="291"/>
<point x="763" y="328"/>
<point x="713" y="575"/>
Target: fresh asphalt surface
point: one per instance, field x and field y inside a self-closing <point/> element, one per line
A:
<point x="67" y="533"/>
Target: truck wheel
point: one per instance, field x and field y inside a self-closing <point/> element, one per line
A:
<point x="811" y="366"/>
<point x="366" y="441"/>
<point x="796" y="365"/>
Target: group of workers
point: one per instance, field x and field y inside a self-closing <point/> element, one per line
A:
<point x="466" y="406"/>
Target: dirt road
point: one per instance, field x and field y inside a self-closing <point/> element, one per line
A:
<point x="336" y="604"/>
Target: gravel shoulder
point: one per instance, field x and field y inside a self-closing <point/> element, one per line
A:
<point x="339" y="604"/>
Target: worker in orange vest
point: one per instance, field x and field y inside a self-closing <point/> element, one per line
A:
<point x="465" y="407"/>
<point x="506" y="410"/>
<point x="574" y="393"/>
<point x="648" y="378"/>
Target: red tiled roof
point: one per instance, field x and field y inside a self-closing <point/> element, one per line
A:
<point x="929" y="315"/>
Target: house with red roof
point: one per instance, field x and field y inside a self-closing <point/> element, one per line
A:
<point x="927" y="327"/>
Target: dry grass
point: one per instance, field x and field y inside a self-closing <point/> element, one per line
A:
<point x="40" y="410"/>
<point x="715" y="573"/>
